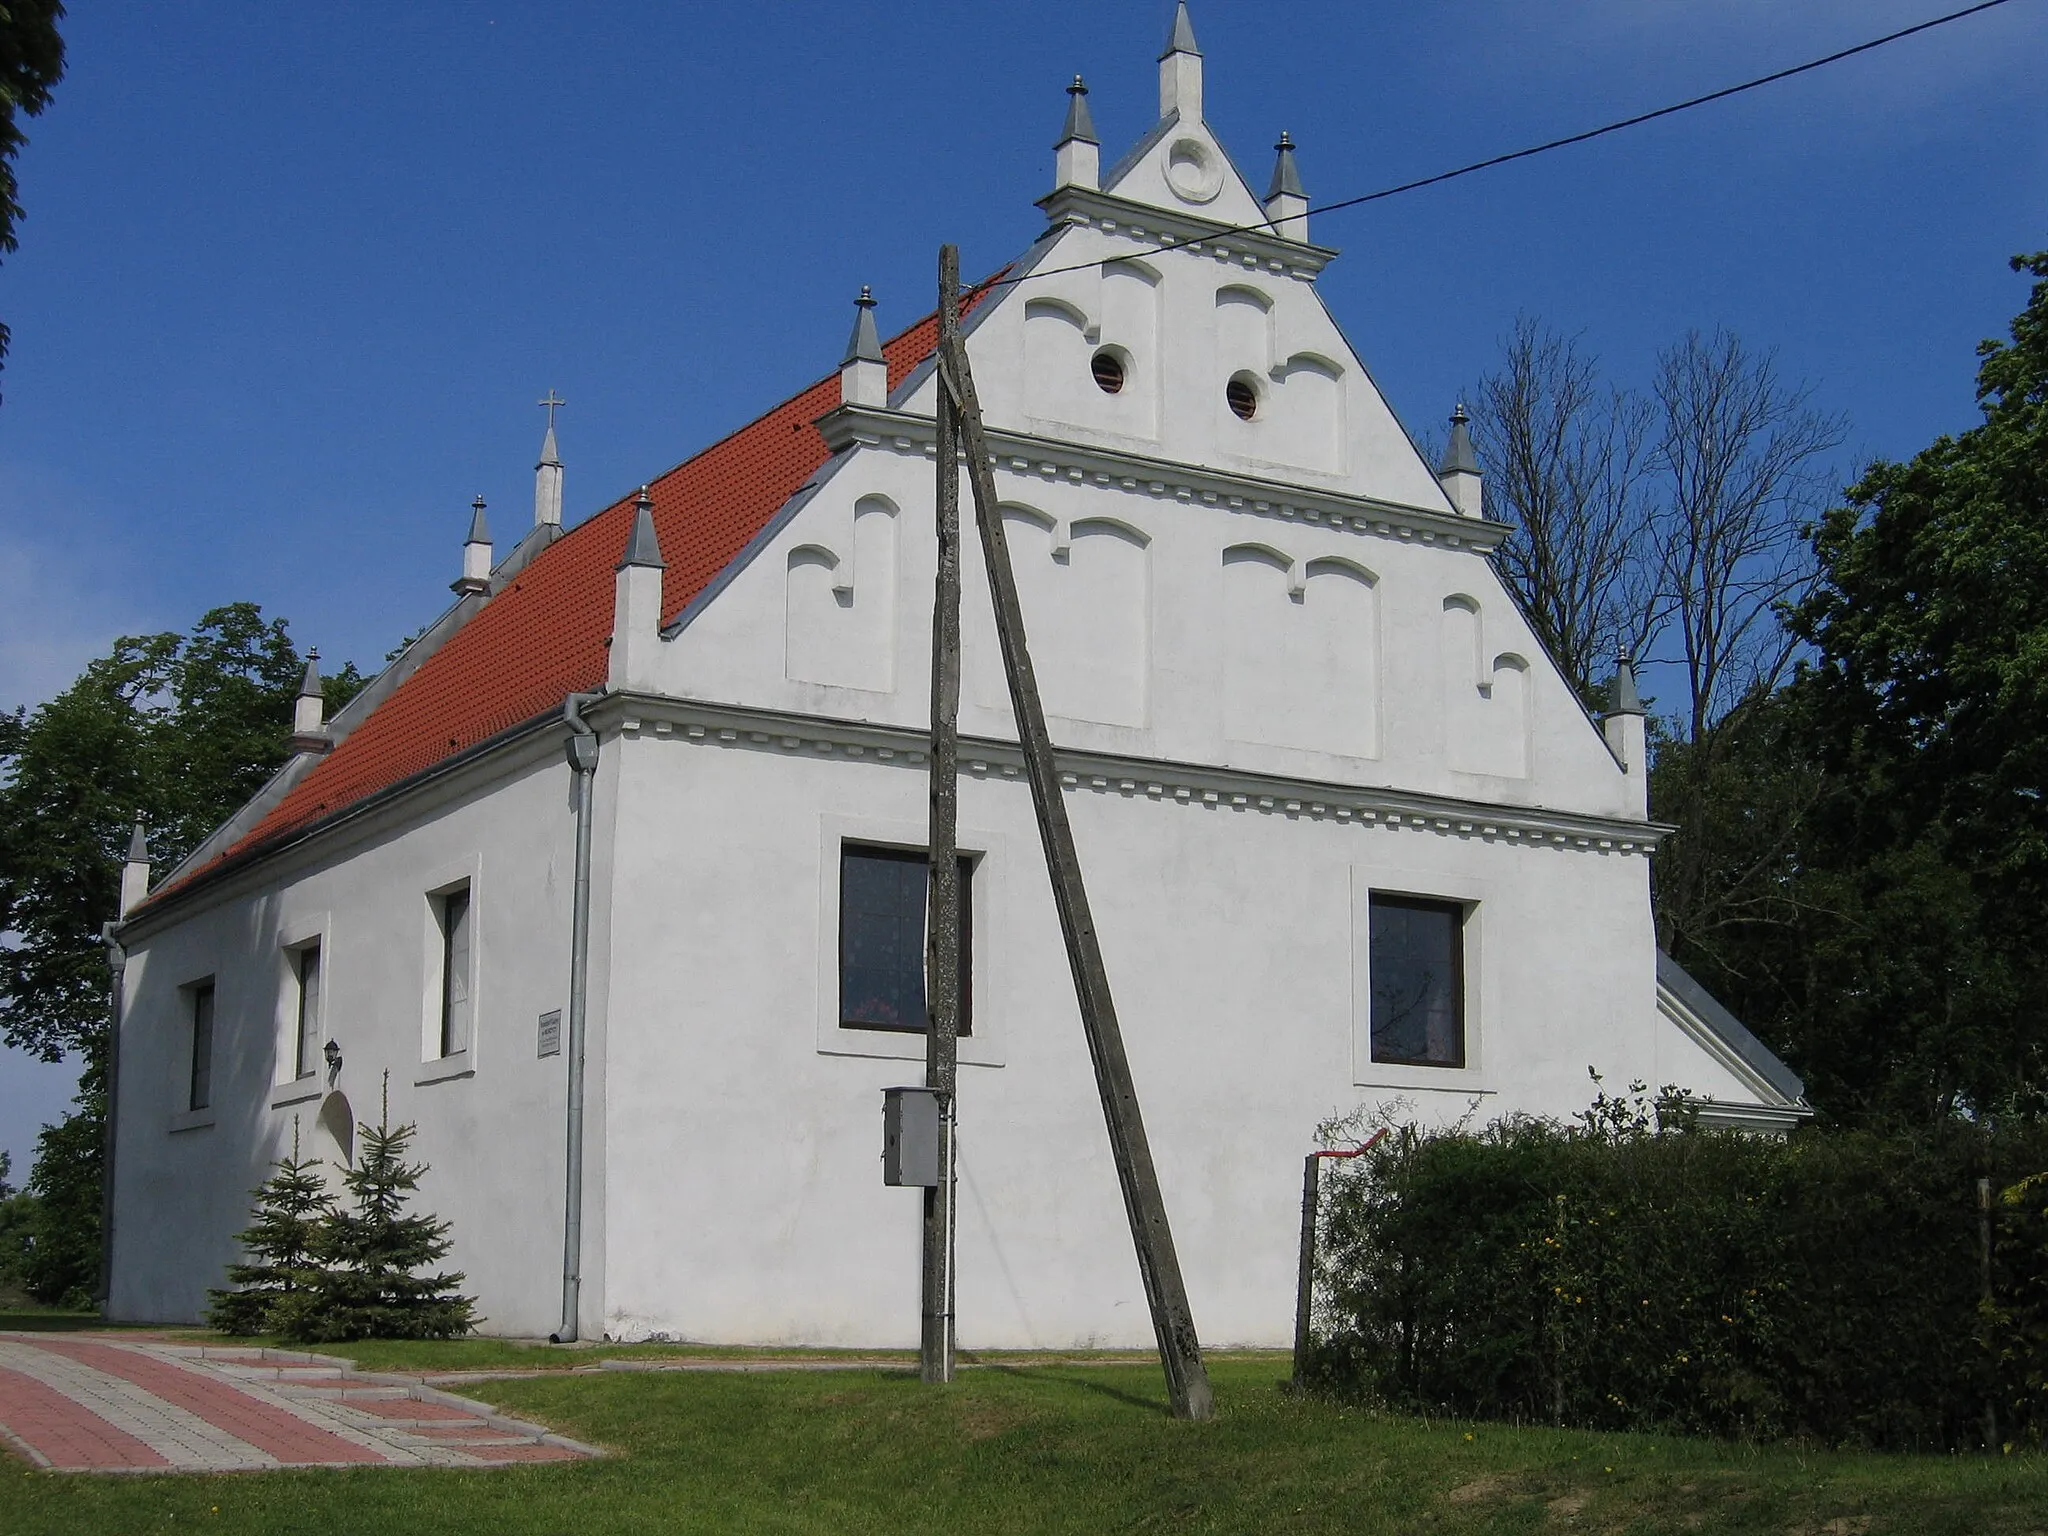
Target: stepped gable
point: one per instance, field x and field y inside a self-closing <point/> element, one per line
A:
<point x="543" y="636"/>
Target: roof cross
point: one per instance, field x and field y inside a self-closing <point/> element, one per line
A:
<point x="550" y="405"/>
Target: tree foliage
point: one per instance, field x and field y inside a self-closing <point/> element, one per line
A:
<point x="177" y="730"/>
<point x="15" y="1208"/>
<point x="1861" y="866"/>
<point x="31" y="64"/>
<point x="59" y="1256"/>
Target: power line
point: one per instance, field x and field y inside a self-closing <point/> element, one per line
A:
<point x="1535" y="149"/>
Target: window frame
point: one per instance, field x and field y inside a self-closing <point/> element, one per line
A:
<point x="307" y="929"/>
<point x="920" y="857"/>
<point x="436" y="885"/>
<point x="1460" y="912"/>
<point x="447" y="967"/>
<point x="306" y="1044"/>
<point x="202" y="1003"/>
<point x="1480" y="899"/>
<point x="992" y="853"/>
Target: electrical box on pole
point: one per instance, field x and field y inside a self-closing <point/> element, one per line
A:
<point x="910" y="1137"/>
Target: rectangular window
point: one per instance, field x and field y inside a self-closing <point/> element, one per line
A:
<point x="1418" y="982"/>
<point x="452" y="912"/>
<point x="881" y="939"/>
<point x="199" y="1086"/>
<point x="306" y="970"/>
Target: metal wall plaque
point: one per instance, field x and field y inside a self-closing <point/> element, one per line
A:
<point x="551" y="1033"/>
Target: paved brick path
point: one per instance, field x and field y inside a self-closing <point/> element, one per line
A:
<point x="74" y="1402"/>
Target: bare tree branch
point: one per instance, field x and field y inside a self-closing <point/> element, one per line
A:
<point x="1567" y="459"/>
<point x="1740" y="460"/>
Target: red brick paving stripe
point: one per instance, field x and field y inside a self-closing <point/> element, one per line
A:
<point x="274" y="1430"/>
<point x="477" y="1430"/>
<point x="528" y="1452"/>
<point x="408" y="1408"/>
<point x="68" y="1433"/>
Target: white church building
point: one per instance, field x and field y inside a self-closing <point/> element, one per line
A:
<point x="658" y="781"/>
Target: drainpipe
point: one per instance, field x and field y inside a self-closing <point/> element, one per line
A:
<point x="117" y="965"/>
<point x="582" y="753"/>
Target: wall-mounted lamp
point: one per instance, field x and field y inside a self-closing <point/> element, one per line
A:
<point x="333" y="1054"/>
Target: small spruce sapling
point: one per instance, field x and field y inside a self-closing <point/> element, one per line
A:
<point x="369" y="1284"/>
<point x="281" y="1275"/>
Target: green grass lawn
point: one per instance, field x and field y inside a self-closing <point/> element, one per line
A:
<point x="1051" y="1448"/>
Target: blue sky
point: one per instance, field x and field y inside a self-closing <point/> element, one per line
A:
<point x="292" y="276"/>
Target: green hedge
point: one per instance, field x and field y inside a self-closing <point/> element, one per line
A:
<point x="1617" y="1276"/>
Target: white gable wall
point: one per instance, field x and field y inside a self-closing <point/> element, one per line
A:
<point x="1163" y="627"/>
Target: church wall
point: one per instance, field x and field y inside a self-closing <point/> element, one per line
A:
<point x="490" y="1125"/>
<point x="746" y="1202"/>
<point x="1161" y="627"/>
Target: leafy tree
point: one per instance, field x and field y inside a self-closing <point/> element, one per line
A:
<point x="1870" y="847"/>
<point x="31" y="64"/>
<point x="15" y="1209"/>
<point x="369" y="1287"/>
<point x="61" y="1258"/>
<point x="281" y="1274"/>
<point x="179" y="730"/>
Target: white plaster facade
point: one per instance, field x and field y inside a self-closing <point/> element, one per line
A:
<point x="1282" y="674"/>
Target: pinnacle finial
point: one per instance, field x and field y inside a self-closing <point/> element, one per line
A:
<point x="138" y="842"/>
<point x="309" y="680"/>
<point x="1459" y="459"/>
<point x="865" y="344"/>
<point x="642" y="547"/>
<point x="1180" y="37"/>
<point x="1286" y="178"/>
<point x="1080" y="124"/>
<point x="479" y="528"/>
<point x="1623" y="698"/>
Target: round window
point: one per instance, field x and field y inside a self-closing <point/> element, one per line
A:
<point x="1243" y="396"/>
<point x="1195" y="175"/>
<point x="1108" y="369"/>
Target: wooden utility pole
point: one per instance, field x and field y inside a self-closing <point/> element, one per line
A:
<point x="942" y="903"/>
<point x="1187" y="1381"/>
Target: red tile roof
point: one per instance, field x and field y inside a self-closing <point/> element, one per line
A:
<point x="544" y="636"/>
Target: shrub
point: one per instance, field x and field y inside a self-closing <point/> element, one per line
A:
<point x="271" y="1288"/>
<point x="1637" y="1273"/>
<point x="367" y="1287"/>
<point x="320" y="1273"/>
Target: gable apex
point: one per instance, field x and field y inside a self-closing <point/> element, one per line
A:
<point x="1181" y="166"/>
